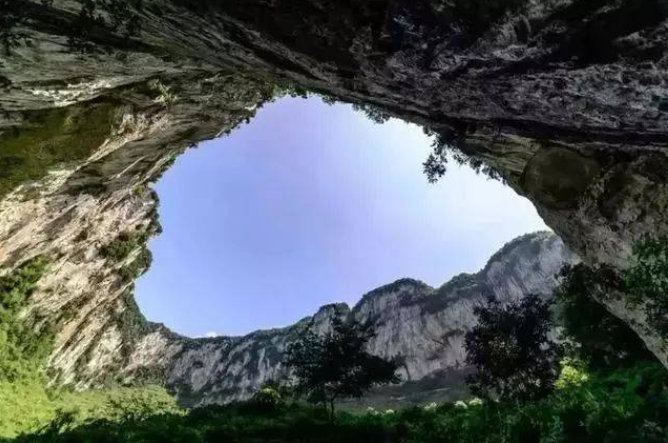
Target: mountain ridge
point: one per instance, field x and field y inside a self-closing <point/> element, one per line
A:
<point x="425" y="325"/>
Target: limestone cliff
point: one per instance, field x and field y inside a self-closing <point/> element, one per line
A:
<point x="89" y="194"/>
<point x="565" y="99"/>
<point x="422" y="324"/>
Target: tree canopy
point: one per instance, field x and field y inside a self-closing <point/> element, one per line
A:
<point x="591" y="333"/>
<point x="337" y="364"/>
<point x="511" y="351"/>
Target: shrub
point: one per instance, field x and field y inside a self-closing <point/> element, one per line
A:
<point x="122" y="246"/>
<point x="591" y="332"/>
<point x="23" y="344"/>
<point x="138" y="266"/>
<point x="627" y="405"/>
<point x="647" y="281"/>
<point x="267" y="398"/>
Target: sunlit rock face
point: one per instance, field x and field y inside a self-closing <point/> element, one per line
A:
<point x="566" y="99"/>
<point x="424" y="325"/>
<point x="90" y="187"/>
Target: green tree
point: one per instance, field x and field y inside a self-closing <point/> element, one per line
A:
<point x="24" y="342"/>
<point x="449" y="145"/>
<point x="646" y="282"/>
<point x="373" y="113"/>
<point x="592" y="334"/>
<point x="511" y="351"/>
<point x="337" y="365"/>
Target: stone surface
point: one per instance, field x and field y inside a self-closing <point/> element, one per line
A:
<point x="566" y="99"/>
<point x="422" y="324"/>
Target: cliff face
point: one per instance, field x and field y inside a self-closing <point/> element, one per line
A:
<point x="566" y="99"/>
<point x="90" y="192"/>
<point x="424" y="325"/>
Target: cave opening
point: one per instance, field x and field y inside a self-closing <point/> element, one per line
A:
<point x="566" y="100"/>
<point x="313" y="203"/>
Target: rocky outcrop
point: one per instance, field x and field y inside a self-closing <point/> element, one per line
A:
<point x="565" y="99"/>
<point x="422" y="324"/>
<point x="86" y="197"/>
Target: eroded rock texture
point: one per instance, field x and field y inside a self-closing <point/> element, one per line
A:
<point x="566" y="99"/>
<point x="424" y="325"/>
<point x="77" y="207"/>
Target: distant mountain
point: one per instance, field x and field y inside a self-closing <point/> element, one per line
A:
<point x="425" y="325"/>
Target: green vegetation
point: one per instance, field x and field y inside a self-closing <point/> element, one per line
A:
<point x="165" y="96"/>
<point x="12" y="17"/>
<point x="372" y="112"/>
<point x="510" y="349"/>
<point x="120" y="249"/>
<point x="24" y="406"/>
<point x="376" y="115"/>
<point x="122" y="246"/>
<point x="51" y="138"/>
<point x="450" y="145"/>
<point x="646" y="282"/>
<point x="22" y="350"/>
<point x="138" y="266"/>
<point x="169" y="162"/>
<point x="336" y="365"/>
<point x="610" y="388"/>
<point x="27" y="406"/>
<point x="591" y="334"/>
<point x="629" y="405"/>
<point x="25" y="343"/>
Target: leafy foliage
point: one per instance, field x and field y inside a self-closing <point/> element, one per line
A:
<point x="12" y="16"/>
<point x="122" y="246"/>
<point x="373" y="113"/>
<point x="27" y="406"/>
<point x="138" y="266"/>
<point x="593" y="335"/>
<point x="337" y="365"/>
<point x="51" y="138"/>
<point x="646" y="281"/>
<point x="120" y="249"/>
<point x="610" y="404"/>
<point x="511" y="352"/>
<point x="22" y="349"/>
<point x="269" y="397"/>
<point x="448" y="145"/>
<point x="164" y="96"/>
<point x="435" y="167"/>
<point x="629" y="405"/>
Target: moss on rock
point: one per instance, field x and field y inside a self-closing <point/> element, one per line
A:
<point x="51" y="138"/>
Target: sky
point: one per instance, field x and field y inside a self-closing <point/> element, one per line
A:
<point x="312" y="204"/>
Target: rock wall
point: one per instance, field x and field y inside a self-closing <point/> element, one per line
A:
<point x="422" y="324"/>
<point x="566" y="99"/>
<point x="76" y="207"/>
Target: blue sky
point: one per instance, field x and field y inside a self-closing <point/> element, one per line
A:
<point x="311" y="204"/>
